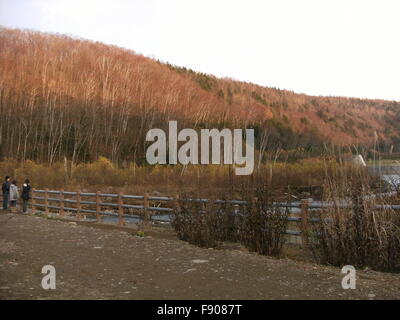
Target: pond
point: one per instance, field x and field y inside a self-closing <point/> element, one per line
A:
<point x="389" y="173"/>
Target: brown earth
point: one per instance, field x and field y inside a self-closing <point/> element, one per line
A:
<point x="103" y="262"/>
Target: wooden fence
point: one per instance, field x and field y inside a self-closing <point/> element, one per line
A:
<point x="147" y="209"/>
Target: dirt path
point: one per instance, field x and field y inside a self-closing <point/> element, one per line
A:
<point x="103" y="263"/>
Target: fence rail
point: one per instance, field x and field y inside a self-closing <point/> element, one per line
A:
<point x="125" y="206"/>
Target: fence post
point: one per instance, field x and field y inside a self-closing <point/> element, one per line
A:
<point x="78" y="205"/>
<point x="62" y="213"/>
<point x="176" y="203"/>
<point x="98" y="216"/>
<point x="146" y="219"/>
<point x="304" y="221"/>
<point x="33" y="201"/>
<point x="46" y="201"/>
<point x="120" y="210"/>
<point x="254" y="204"/>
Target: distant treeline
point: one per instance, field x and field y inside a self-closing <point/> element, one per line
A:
<point x="68" y="98"/>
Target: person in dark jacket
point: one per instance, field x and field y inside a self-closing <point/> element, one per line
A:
<point x="26" y="190"/>
<point x="6" y="192"/>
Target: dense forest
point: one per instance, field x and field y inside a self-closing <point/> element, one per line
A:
<point x="67" y="98"/>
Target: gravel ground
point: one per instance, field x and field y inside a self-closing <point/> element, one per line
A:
<point x="100" y="262"/>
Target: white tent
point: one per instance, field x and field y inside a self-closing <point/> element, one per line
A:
<point x="359" y="160"/>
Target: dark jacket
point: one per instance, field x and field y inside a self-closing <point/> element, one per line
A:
<point x="6" y="187"/>
<point x="26" y="189"/>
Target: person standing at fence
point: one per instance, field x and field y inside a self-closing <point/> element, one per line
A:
<point x="6" y="192"/>
<point x="26" y="190"/>
<point x="14" y="195"/>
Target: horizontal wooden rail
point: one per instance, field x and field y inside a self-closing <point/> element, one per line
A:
<point x="294" y="204"/>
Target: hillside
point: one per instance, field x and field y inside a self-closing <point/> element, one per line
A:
<point x="65" y="97"/>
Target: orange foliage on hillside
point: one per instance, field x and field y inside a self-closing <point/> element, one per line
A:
<point x="65" y="97"/>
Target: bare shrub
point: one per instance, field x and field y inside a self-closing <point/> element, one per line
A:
<point x="260" y="224"/>
<point x="264" y="223"/>
<point x="197" y="221"/>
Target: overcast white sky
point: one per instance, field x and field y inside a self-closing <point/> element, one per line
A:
<point x="319" y="47"/>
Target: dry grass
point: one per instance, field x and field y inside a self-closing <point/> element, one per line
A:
<point x="296" y="178"/>
<point x="362" y="236"/>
